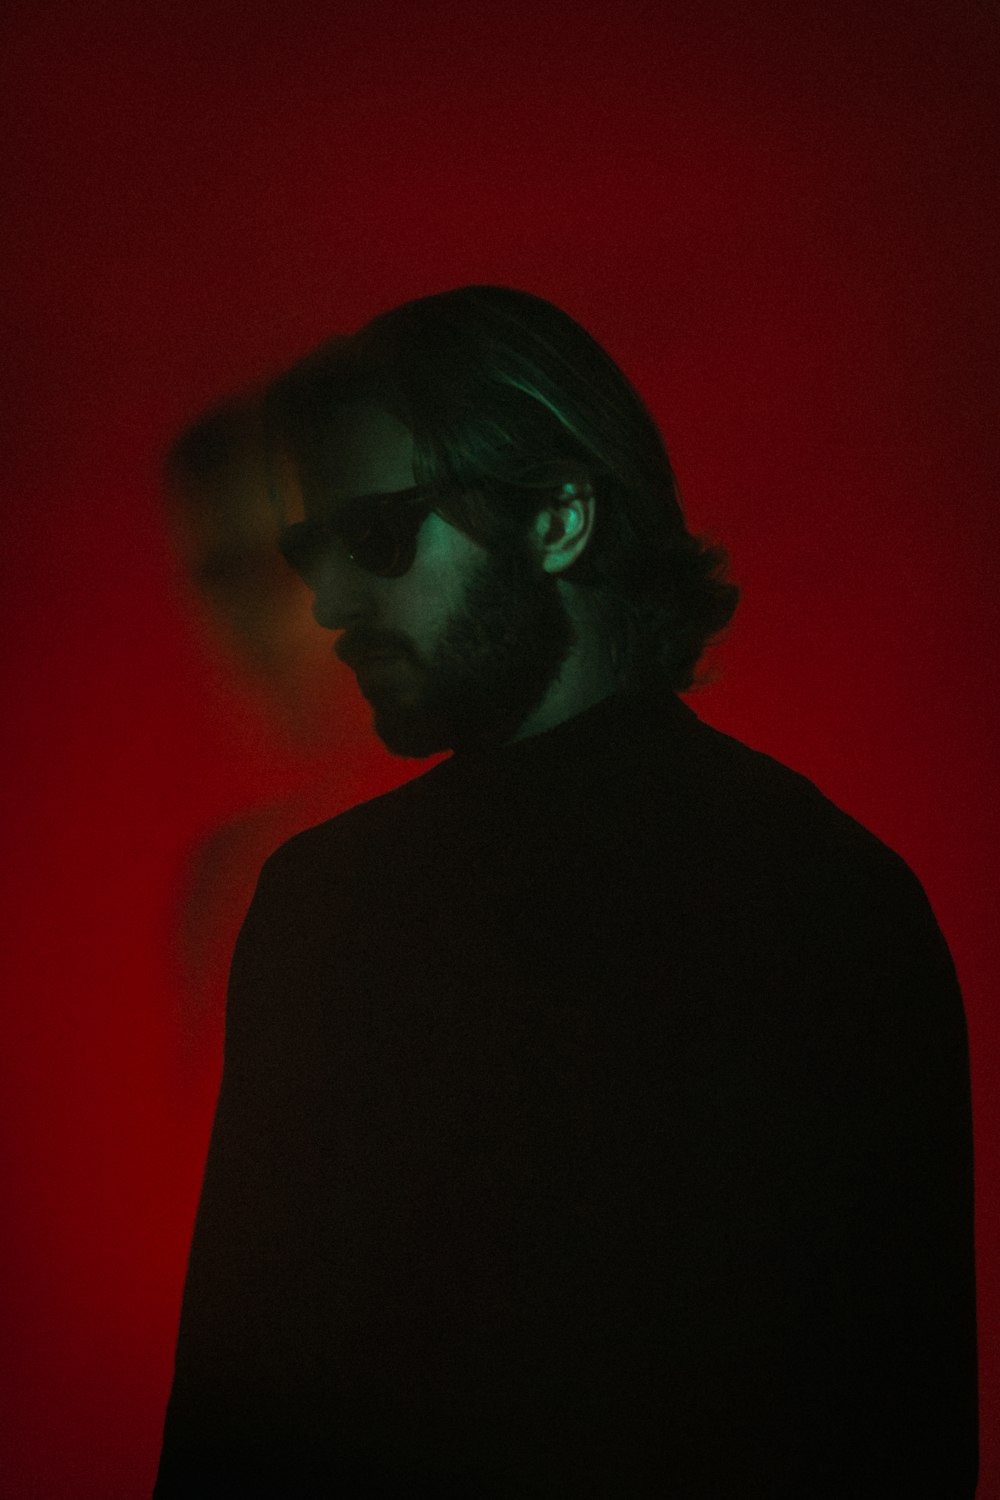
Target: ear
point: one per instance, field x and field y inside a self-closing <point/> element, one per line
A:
<point x="563" y="529"/>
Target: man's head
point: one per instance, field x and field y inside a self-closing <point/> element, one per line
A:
<point x="490" y="519"/>
<point x="454" y="644"/>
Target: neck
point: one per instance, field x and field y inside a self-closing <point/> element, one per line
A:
<point x="587" y="676"/>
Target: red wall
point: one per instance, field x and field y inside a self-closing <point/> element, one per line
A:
<point x="778" y="217"/>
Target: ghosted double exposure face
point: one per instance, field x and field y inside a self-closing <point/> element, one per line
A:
<point x="459" y="650"/>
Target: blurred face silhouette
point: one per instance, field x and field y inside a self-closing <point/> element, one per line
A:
<point x="458" y="651"/>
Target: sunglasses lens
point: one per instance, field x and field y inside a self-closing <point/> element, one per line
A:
<point x="377" y="548"/>
<point x="301" y="548"/>
<point x="381" y="536"/>
<point x="377" y="533"/>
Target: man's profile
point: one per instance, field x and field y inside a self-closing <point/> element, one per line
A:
<point x="595" y="1111"/>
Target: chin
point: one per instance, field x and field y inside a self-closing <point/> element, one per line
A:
<point x="466" y="727"/>
<point x="412" y="737"/>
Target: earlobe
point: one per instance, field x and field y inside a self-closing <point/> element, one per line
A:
<point x="563" y="529"/>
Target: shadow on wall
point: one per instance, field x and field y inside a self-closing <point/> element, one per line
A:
<point x="224" y="510"/>
<point x="224" y="513"/>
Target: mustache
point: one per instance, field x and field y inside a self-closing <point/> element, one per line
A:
<point x="354" y="645"/>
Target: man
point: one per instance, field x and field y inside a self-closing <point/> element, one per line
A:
<point x="595" y="1112"/>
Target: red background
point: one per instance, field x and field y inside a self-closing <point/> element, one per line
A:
<point x="778" y="217"/>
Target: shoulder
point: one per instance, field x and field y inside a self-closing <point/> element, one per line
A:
<point x="839" y="919"/>
<point x="344" y="838"/>
<point x="788" y="830"/>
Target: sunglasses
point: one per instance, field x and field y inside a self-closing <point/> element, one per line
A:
<point x="378" y="533"/>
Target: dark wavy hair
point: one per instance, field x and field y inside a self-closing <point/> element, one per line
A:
<point x="508" y="398"/>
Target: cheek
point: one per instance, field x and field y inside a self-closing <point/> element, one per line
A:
<point x="426" y="597"/>
<point x="416" y="608"/>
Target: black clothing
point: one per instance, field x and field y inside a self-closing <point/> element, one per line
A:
<point x="594" y="1122"/>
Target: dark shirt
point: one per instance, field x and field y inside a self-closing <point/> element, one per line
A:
<point x="594" y="1122"/>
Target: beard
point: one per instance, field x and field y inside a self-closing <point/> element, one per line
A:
<point x="496" y="658"/>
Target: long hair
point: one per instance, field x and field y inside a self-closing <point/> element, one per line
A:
<point x="508" y="398"/>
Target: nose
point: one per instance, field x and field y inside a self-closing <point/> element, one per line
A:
<point x="342" y="592"/>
